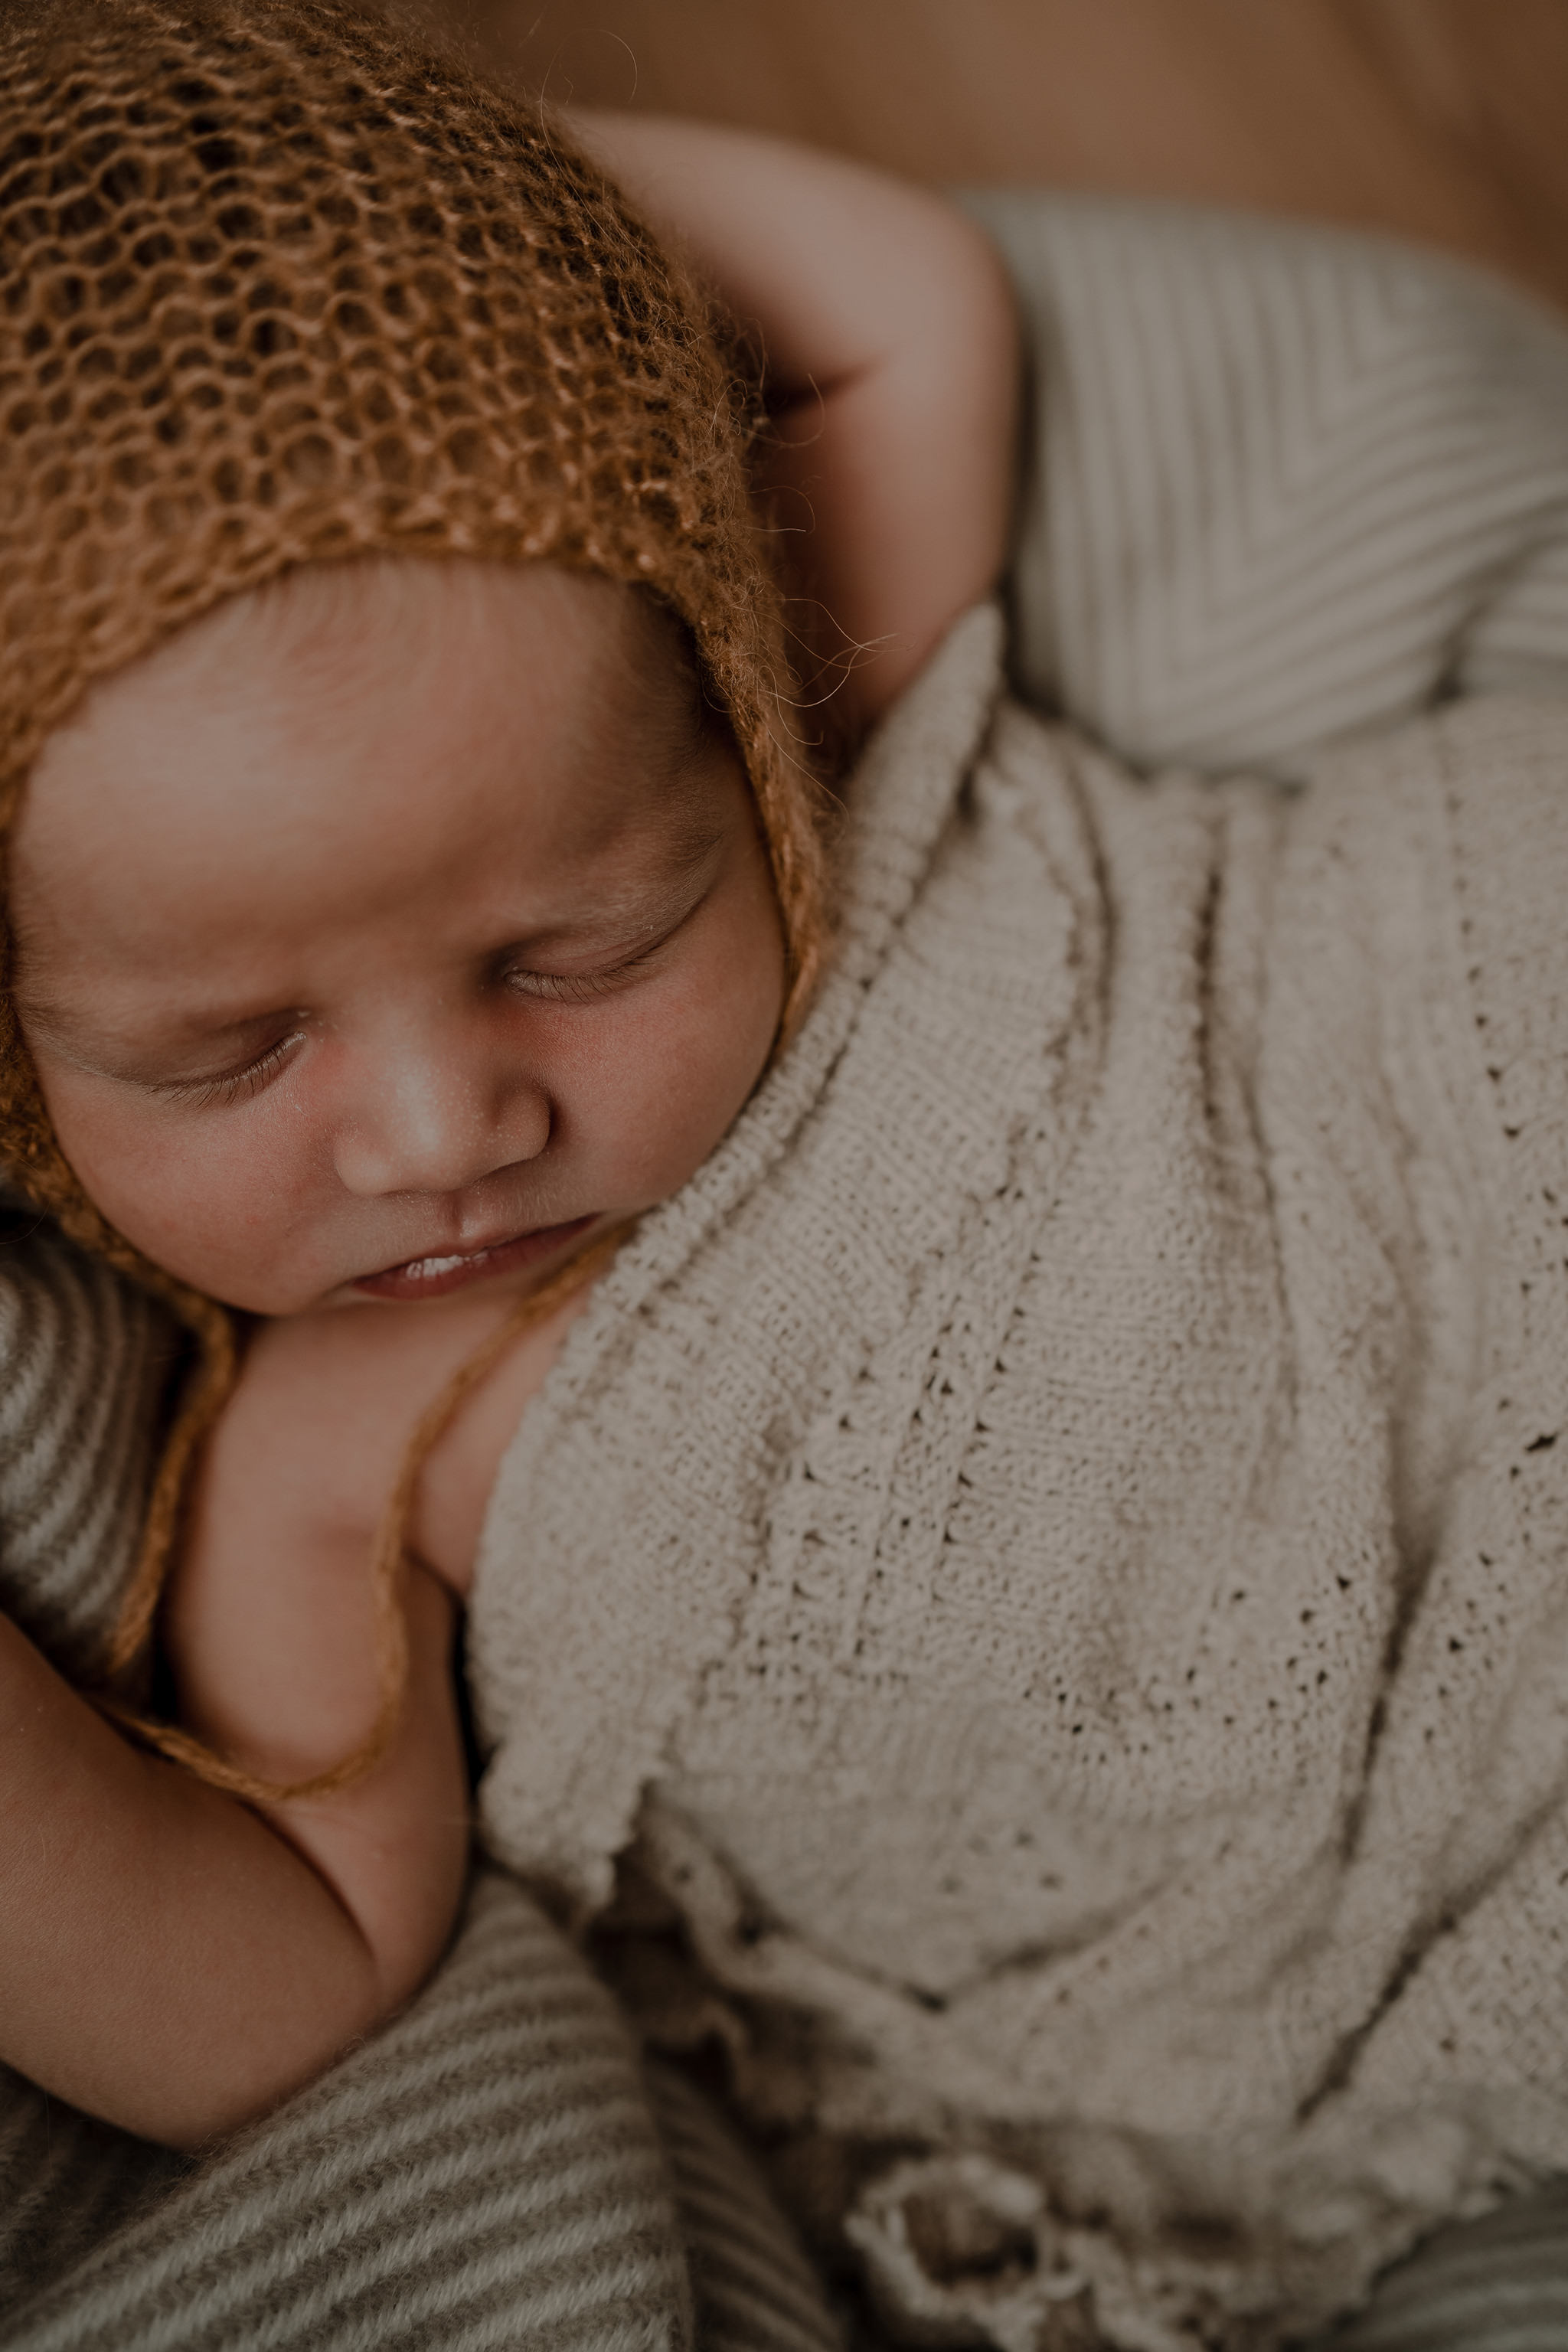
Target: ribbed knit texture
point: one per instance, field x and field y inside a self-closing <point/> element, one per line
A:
<point x="484" y="2175"/>
<point x="1500" y="2285"/>
<point x="85" y="1359"/>
<point x="1287" y="484"/>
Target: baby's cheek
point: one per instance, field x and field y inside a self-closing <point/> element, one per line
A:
<point x="686" y="1062"/>
<point x="125" y="1168"/>
<point x="213" y="1204"/>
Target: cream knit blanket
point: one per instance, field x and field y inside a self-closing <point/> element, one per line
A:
<point x="1058" y="1538"/>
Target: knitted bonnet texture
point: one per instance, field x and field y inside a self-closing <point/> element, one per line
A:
<point x="280" y="285"/>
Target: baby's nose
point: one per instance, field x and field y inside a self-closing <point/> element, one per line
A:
<point x="433" y="1128"/>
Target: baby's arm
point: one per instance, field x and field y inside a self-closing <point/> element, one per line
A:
<point x="173" y="1961"/>
<point x="892" y="347"/>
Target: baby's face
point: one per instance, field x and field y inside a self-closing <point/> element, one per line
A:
<point x="392" y="933"/>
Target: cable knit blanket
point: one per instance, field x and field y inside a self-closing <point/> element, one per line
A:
<point x="1060" y="1534"/>
<point x="1048" y="1550"/>
<point x="1055" y="1538"/>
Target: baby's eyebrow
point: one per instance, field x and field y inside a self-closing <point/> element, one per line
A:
<point x="73" y="1031"/>
<point x="695" y="842"/>
<point x="686" y="854"/>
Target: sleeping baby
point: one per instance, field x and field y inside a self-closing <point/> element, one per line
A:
<point x="985" y="1365"/>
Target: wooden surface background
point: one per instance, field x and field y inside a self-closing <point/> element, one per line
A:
<point x="1445" y="119"/>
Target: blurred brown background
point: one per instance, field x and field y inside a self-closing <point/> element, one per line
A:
<point x="1445" y="119"/>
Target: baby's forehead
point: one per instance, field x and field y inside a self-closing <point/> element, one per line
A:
<point x="330" y="623"/>
<point x="385" y="720"/>
<point x="321" y="656"/>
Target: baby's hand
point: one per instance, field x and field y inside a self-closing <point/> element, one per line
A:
<point x="891" y="349"/>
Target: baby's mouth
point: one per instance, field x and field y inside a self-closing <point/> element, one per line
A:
<point x="433" y="1278"/>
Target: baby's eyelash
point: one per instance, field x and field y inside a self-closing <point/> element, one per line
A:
<point x="237" y="1084"/>
<point x="578" y="988"/>
<point x="581" y="988"/>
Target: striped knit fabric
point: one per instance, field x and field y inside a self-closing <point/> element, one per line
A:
<point x="485" y="2174"/>
<point x="1500" y="2285"/>
<point x="1288" y="486"/>
<point x="84" y="1361"/>
<point x="753" y="2286"/>
<point x="491" y="2172"/>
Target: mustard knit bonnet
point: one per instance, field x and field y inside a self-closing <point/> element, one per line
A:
<point x="280" y="285"/>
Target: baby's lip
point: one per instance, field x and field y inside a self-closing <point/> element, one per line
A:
<point x="449" y="1270"/>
